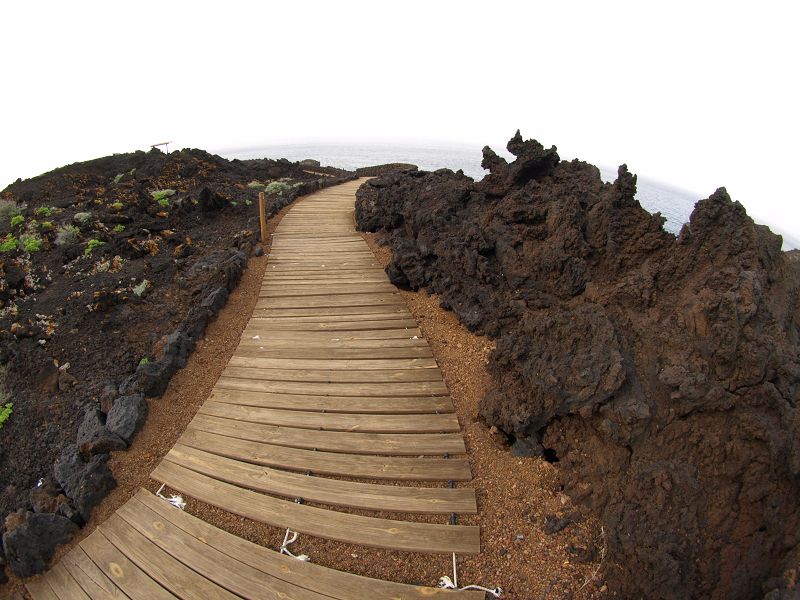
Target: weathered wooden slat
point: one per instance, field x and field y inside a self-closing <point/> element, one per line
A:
<point x="404" y="389"/>
<point x="377" y="405"/>
<point x="336" y="375"/>
<point x="346" y="365"/>
<point x="172" y="574"/>
<point x="344" y="527"/>
<point x="390" y="444"/>
<point x="93" y="581"/>
<point x="332" y="492"/>
<point x="39" y="588"/>
<point x="355" y="325"/>
<point x="330" y="463"/>
<point x="64" y="584"/>
<point x="303" y="352"/>
<point x="368" y="423"/>
<point x="210" y="563"/>
<point x="122" y="571"/>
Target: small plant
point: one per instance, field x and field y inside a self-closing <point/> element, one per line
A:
<point x="118" y="228"/>
<point x="9" y="244"/>
<point x="82" y="217"/>
<point x="140" y="289"/>
<point x="117" y="206"/>
<point x="119" y="177"/>
<point x="17" y="220"/>
<point x="163" y="202"/>
<point x="159" y="195"/>
<point x="33" y="225"/>
<point x="256" y="185"/>
<point x="278" y="187"/>
<point x="43" y="211"/>
<point x="91" y="245"/>
<point x="5" y="412"/>
<point x="46" y="225"/>
<point x="67" y="234"/>
<point x="31" y="242"/>
<point x="144" y="361"/>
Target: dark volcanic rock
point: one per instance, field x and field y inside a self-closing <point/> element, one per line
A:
<point x="94" y="438"/>
<point x="662" y="372"/>
<point x="85" y="482"/>
<point x="30" y="544"/>
<point x="210" y="200"/>
<point x="127" y="416"/>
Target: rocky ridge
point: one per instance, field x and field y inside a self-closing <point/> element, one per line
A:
<point x="662" y="372"/>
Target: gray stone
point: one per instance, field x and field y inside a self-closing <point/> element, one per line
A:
<point x="127" y="416"/>
<point x="30" y="545"/>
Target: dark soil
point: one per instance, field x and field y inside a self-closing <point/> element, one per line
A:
<point x="661" y="372"/>
<point x="77" y="319"/>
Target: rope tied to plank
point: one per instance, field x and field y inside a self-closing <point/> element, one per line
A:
<point x="176" y="501"/>
<point x="287" y="541"/>
<point x="452" y="584"/>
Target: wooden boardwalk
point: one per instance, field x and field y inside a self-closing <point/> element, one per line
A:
<point x="331" y="388"/>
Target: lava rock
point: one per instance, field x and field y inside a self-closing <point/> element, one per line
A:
<point x="30" y="544"/>
<point x="84" y="482"/>
<point x="94" y="437"/>
<point x="216" y="300"/>
<point x="554" y="524"/>
<point x="210" y="200"/>
<point x="127" y="416"/>
<point x="526" y="448"/>
<point x="259" y="251"/>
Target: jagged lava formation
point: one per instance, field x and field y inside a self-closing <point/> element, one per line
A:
<point x="661" y="371"/>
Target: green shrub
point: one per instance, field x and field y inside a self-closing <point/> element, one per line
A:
<point x="30" y="242"/>
<point x="256" y="185"/>
<point x="9" y="243"/>
<point x="159" y="195"/>
<point x="163" y="202"/>
<point x="140" y="289"/>
<point x="117" y="206"/>
<point x="43" y="211"/>
<point x="82" y="217"/>
<point x="17" y="220"/>
<point x="278" y="187"/>
<point x="5" y="412"/>
<point x="46" y="225"/>
<point x="119" y="228"/>
<point x="119" y="177"/>
<point x="144" y="361"/>
<point x="91" y="245"/>
<point x="67" y="234"/>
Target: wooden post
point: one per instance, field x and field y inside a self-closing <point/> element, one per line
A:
<point x="262" y="217"/>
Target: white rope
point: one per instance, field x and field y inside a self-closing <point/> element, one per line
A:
<point x="287" y="541"/>
<point x="452" y="584"/>
<point x="176" y="501"/>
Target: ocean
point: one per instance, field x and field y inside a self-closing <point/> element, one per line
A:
<point x="673" y="203"/>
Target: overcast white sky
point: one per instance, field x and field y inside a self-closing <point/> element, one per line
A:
<point x="695" y="94"/>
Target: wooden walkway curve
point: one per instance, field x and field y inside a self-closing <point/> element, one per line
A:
<point x="331" y="389"/>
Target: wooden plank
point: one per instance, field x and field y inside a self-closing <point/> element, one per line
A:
<point x="422" y="376"/>
<point x="39" y="589"/>
<point x="368" y="364"/>
<point x="391" y="444"/>
<point x="212" y="564"/>
<point x="119" y="569"/>
<point x="64" y="585"/>
<point x="94" y="582"/>
<point x="404" y="389"/>
<point x="330" y="463"/>
<point x="322" y="338"/>
<point x="393" y="299"/>
<point x="329" y="310"/>
<point x="337" y="404"/>
<point x="368" y="423"/>
<point x="333" y="492"/>
<point x="284" y="291"/>
<point x="268" y="322"/>
<point x="166" y="570"/>
<point x="333" y="353"/>
<point x="344" y="527"/>
<point x="356" y="325"/>
<point x="285" y="340"/>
